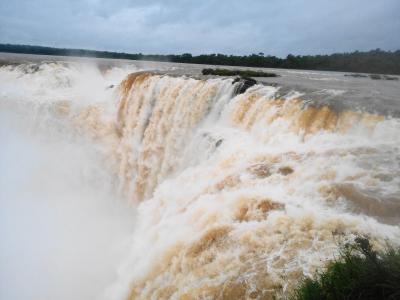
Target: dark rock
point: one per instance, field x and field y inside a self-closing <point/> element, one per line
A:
<point x="387" y="77"/>
<point x="375" y="76"/>
<point x="218" y="143"/>
<point x="356" y="75"/>
<point x="243" y="84"/>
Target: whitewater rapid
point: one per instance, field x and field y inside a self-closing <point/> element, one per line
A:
<point x="217" y="195"/>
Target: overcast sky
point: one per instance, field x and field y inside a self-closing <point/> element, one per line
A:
<point x="276" y="27"/>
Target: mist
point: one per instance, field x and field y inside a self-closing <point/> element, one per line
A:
<point x="63" y="230"/>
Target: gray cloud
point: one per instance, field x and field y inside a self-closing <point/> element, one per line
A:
<point x="275" y="27"/>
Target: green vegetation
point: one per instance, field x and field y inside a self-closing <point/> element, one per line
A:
<point x="242" y="73"/>
<point x="374" y="61"/>
<point x="359" y="273"/>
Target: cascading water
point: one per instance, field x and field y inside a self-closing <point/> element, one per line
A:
<point x="237" y="196"/>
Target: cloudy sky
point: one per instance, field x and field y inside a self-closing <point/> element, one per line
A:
<point x="276" y="27"/>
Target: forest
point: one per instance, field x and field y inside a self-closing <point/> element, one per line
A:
<point x="375" y="61"/>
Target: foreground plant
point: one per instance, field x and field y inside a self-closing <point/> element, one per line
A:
<point x="358" y="273"/>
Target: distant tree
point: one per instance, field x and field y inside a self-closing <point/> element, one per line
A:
<point x="374" y="61"/>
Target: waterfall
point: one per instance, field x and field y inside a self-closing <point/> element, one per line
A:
<point x="237" y="196"/>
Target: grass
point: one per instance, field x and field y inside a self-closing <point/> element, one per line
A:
<point x="359" y="273"/>
<point x="243" y="73"/>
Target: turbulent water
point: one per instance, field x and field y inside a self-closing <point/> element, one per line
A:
<point x="191" y="191"/>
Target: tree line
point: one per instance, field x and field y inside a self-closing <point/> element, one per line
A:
<point x="374" y="61"/>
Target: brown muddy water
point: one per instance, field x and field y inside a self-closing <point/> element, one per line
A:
<point x="142" y="180"/>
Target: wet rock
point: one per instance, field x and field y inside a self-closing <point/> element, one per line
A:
<point x="356" y="75"/>
<point x="375" y="76"/>
<point x="244" y="84"/>
<point x="30" y="68"/>
<point x="387" y="77"/>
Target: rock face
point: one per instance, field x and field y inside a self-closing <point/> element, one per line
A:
<point x="244" y="84"/>
<point x="218" y="143"/>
